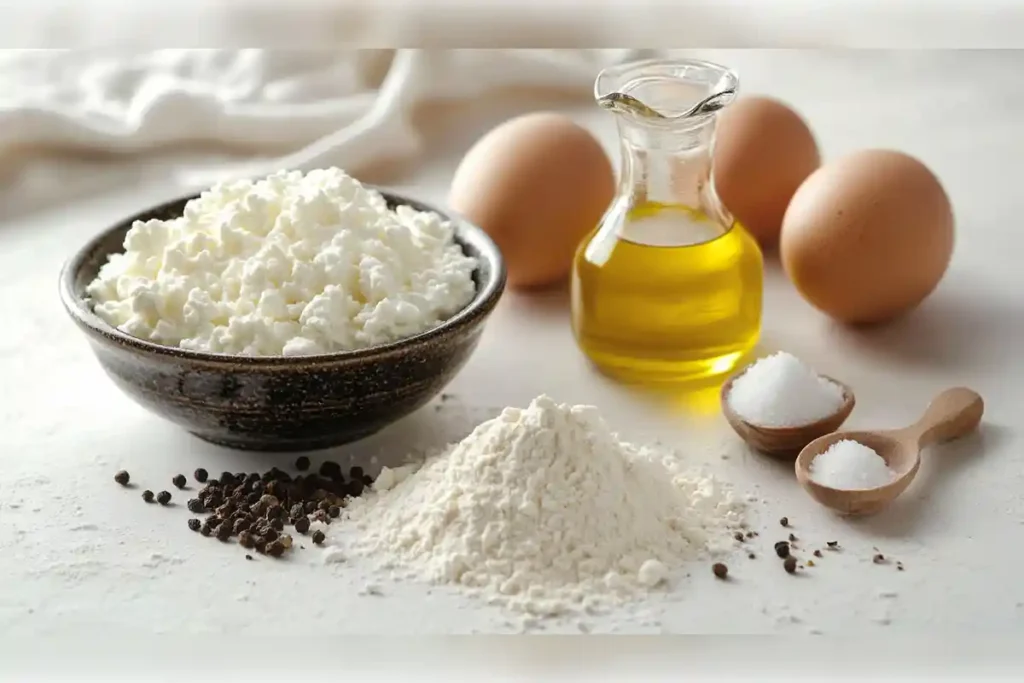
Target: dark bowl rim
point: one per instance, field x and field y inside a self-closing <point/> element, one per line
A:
<point x="482" y="303"/>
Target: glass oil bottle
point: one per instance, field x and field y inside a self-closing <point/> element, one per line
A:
<point x="668" y="287"/>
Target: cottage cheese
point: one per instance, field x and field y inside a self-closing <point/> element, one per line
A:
<point x="289" y="265"/>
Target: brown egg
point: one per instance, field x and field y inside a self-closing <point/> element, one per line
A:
<point x="537" y="184"/>
<point x="868" y="236"/>
<point x="763" y="151"/>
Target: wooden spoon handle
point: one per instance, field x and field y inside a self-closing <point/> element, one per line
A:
<point x="950" y="415"/>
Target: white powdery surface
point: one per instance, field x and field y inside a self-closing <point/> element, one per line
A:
<point x="545" y="511"/>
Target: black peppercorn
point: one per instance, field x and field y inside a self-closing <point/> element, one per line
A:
<point x="302" y="524"/>
<point x="260" y="544"/>
<point x="720" y="570"/>
<point x="331" y="470"/>
<point x="784" y="521"/>
<point x="334" y="511"/>
<point x="248" y="556"/>
<point x="817" y="553"/>
<point x="790" y="565"/>
<point x="205" y="530"/>
<point x="782" y="549"/>
<point x="278" y="489"/>
<point x="164" y="497"/>
<point x="356" y="472"/>
<point x="224" y="532"/>
<point x="277" y="524"/>
<point x="319" y="537"/>
<point x="201" y="475"/>
<point x="355" y="488"/>
<point x="738" y="536"/>
<point x="296" y="511"/>
<point x="179" y="481"/>
<point x="275" y="511"/>
<point x="367" y="480"/>
<point x="246" y="540"/>
<point x="147" y="496"/>
<point x="302" y="463"/>
<point x="122" y="478"/>
<point x="226" y="478"/>
<point x="269" y="533"/>
<point x="194" y="524"/>
<point x="241" y="525"/>
<point x="195" y="505"/>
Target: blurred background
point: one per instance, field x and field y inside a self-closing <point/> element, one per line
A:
<point x="77" y="122"/>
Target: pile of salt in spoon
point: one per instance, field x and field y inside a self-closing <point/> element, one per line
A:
<point x="851" y="466"/>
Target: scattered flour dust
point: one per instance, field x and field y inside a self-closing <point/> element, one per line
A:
<point x="546" y="512"/>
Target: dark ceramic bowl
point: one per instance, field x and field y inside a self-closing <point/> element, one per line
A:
<point x="284" y="403"/>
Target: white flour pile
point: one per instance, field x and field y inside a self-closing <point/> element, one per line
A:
<point x="545" y="511"/>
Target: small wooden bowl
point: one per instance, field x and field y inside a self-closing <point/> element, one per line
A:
<point x="785" y="442"/>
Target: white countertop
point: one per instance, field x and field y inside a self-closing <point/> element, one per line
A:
<point x="77" y="552"/>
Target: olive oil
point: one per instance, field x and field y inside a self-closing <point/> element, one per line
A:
<point x="668" y="288"/>
<point x="662" y="292"/>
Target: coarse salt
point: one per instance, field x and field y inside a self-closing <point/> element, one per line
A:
<point x="782" y="391"/>
<point x="849" y="465"/>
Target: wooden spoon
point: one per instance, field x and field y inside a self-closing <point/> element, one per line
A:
<point x="951" y="414"/>
<point x="785" y="442"/>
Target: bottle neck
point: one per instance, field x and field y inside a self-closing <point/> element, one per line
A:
<point x="667" y="166"/>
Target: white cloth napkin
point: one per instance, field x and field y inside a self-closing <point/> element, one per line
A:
<point x="292" y="109"/>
